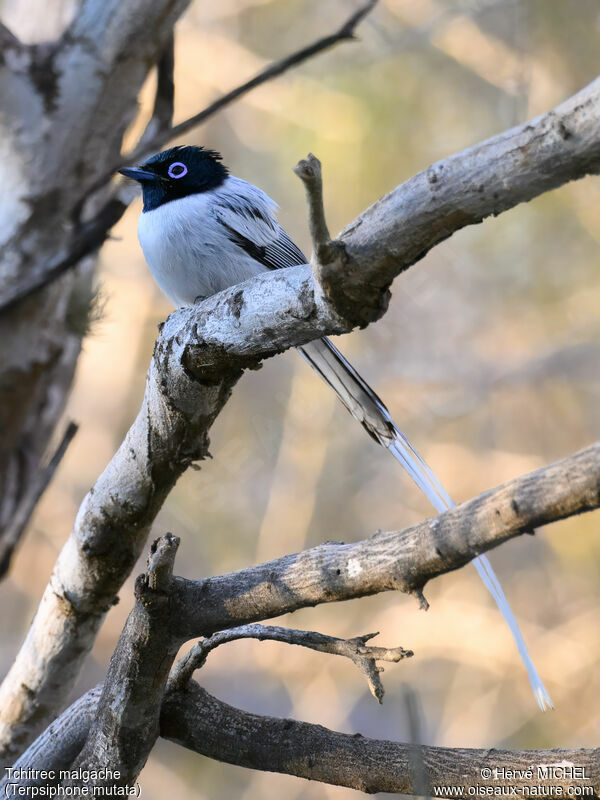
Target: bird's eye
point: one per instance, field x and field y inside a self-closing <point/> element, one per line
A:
<point x="177" y="170"/>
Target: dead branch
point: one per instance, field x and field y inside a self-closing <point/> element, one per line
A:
<point x="125" y="724"/>
<point x="195" y="719"/>
<point x="364" y="656"/>
<point x="392" y="560"/>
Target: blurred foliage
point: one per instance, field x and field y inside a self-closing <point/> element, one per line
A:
<point x="488" y="359"/>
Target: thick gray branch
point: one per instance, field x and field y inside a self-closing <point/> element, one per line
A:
<point x="109" y="534"/>
<point x="197" y="720"/>
<point x="486" y="179"/>
<point x="156" y="136"/>
<point x="125" y="724"/>
<point x="405" y="560"/>
<point x="58" y="746"/>
<point x="392" y="560"/>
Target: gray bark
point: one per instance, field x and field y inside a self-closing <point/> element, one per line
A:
<point x="56" y="139"/>
<point x="195" y="719"/>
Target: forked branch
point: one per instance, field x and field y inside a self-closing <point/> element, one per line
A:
<point x="364" y="656"/>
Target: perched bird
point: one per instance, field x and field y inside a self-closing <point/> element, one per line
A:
<point x="203" y="230"/>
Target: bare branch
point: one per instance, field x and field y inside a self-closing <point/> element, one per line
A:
<point x="276" y="68"/>
<point x="125" y="724"/>
<point x="328" y="256"/>
<point x="110" y="531"/>
<point x="14" y="530"/>
<point x="167" y="435"/>
<point x="164" y="100"/>
<point x="418" y="770"/>
<point x="87" y="238"/>
<point x="59" y="137"/>
<point x="195" y="719"/>
<point x="486" y="179"/>
<point x="309" y="172"/>
<point x="364" y="656"/>
<point x="393" y="560"/>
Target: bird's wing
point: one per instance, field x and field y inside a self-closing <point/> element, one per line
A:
<point x="247" y="215"/>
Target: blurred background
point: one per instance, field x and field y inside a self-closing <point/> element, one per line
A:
<point x="488" y="359"/>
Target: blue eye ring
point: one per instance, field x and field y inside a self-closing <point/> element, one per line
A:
<point x="180" y="174"/>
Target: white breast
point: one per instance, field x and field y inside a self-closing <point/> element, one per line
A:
<point x="189" y="251"/>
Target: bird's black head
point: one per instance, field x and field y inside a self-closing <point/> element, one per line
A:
<point x="176" y="173"/>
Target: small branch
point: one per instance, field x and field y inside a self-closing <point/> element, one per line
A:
<point x="328" y="256"/>
<point x="149" y="144"/>
<point x="161" y="561"/>
<point x="344" y="33"/>
<point x="195" y="719"/>
<point x="394" y="560"/>
<point x="164" y="99"/>
<point x="362" y="655"/>
<point x="160" y="120"/>
<point x="15" y="529"/>
<point x="418" y="770"/>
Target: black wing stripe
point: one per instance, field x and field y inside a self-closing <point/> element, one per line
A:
<point x="279" y="253"/>
<point x="255" y="251"/>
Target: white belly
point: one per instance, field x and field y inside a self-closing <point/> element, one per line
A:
<point x="189" y="253"/>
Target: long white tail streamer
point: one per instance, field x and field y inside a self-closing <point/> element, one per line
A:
<point x="427" y="481"/>
<point x="365" y="406"/>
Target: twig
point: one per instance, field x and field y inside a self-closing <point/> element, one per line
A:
<point x="418" y="770"/>
<point x="161" y="561"/>
<point x="195" y="719"/>
<point x="344" y="33"/>
<point x="149" y="144"/>
<point x="14" y="530"/>
<point x="328" y="256"/>
<point x="164" y="99"/>
<point x="364" y="656"/>
<point x="160" y="120"/>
